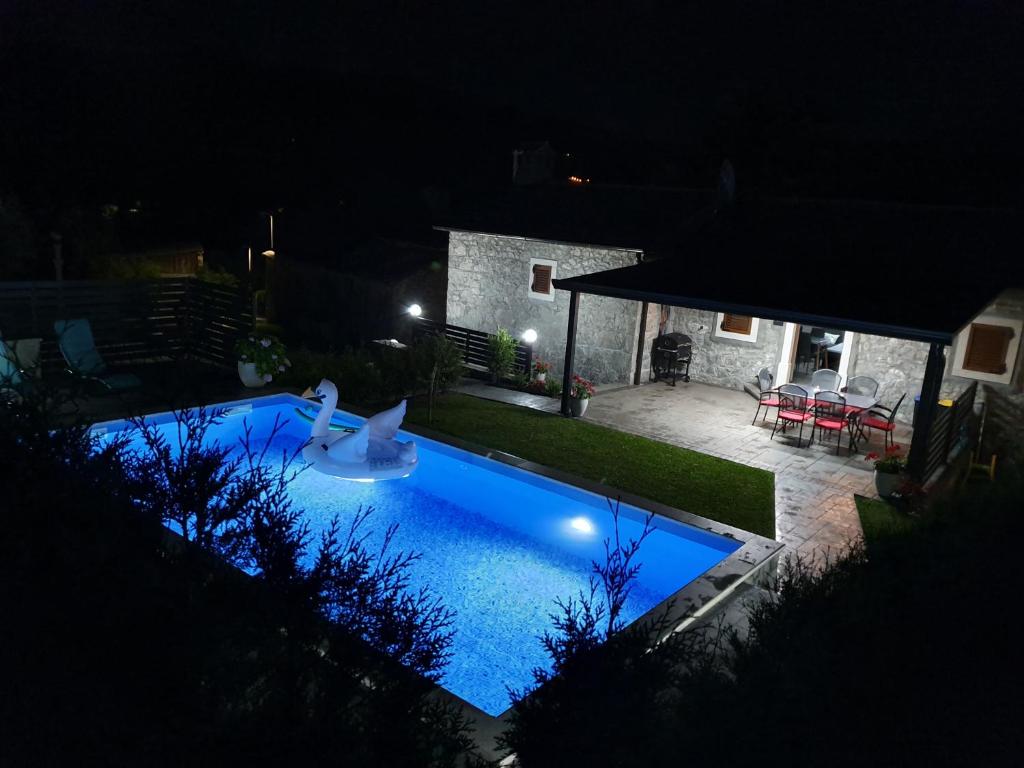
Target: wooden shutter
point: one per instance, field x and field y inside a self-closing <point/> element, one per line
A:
<point x="986" y="348"/>
<point x="736" y="324"/>
<point x="541" y="278"/>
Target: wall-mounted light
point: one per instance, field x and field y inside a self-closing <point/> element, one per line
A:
<point x="415" y="310"/>
<point x="529" y="336"/>
<point x="269" y="254"/>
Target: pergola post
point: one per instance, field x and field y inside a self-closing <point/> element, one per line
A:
<point x="570" y="350"/>
<point x="926" y="408"/>
<point x="640" y="344"/>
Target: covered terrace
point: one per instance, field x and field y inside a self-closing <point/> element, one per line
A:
<point x="902" y="273"/>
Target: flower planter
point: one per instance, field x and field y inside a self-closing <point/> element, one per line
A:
<point x="247" y="373"/>
<point x="578" y="405"/>
<point x="887" y="483"/>
<point x="542" y="377"/>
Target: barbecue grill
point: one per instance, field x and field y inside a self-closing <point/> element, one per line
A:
<point x="670" y="357"/>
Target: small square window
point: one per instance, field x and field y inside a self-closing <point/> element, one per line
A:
<point x="987" y="349"/>
<point x="542" y="273"/>
<point x="736" y="327"/>
<point x="736" y="324"/>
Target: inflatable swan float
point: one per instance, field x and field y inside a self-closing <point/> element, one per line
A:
<point x="369" y="453"/>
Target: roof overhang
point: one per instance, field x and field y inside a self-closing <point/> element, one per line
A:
<point x="608" y="284"/>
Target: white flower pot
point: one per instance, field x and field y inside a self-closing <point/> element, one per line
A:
<point x="542" y="377"/>
<point x="578" y="405"/>
<point x="247" y="373"/>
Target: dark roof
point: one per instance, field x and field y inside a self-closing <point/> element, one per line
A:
<point x="912" y="272"/>
<point x="649" y="219"/>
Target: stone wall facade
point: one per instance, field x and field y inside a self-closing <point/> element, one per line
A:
<point x="730" y="363"/>
<point x="488" y="288"/>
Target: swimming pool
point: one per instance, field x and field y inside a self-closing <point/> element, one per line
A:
<point x="498" y="544"/>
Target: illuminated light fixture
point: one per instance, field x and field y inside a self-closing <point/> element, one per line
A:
<point x="581" y="524"/>
<point x="529" y="335"/>
<point x="269" y="254"/>
<point x="415" y="310"/>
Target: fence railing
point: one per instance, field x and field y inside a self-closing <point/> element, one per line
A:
<point x="132" y="321"/>
<point x="473" y="343"/>
<point x="949" y="427"/>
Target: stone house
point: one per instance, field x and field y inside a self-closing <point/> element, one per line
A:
<point x="894" y="270"/>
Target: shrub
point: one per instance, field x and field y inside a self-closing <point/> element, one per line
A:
<point x="217" y="275"/>
<point x="501" y="353"/>
<point x="299" y="662"/>
<point x="436" y="362"/>
<point x="553" y="388"/>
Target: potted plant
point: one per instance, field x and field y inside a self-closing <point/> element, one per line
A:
<point x="580" y="393"/>
<point x="889" y="470"/>
<point x="260" y="358"/>
<point x="540" y="370"/>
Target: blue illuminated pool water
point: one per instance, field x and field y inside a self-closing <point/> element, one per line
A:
<point x="499" y="545"/>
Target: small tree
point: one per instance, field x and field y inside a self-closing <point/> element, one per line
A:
<point x="501" y="354"/>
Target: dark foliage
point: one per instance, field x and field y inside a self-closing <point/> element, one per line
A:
<point x="900" y="658"/>
<point x="125" y="644"/>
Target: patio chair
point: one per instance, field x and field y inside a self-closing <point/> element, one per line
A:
<point x="792" y="410"/>
<point x="804" y="350"/>
<point x="74" y="337"/>
<point x="861" y="385"/>
<point x="825" y="380"/>
<point x="830" y="415"/>
<point x="883" y="418"/>
<point x="768" y="397"/>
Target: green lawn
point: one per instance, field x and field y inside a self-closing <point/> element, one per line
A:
<point x="714" y="488"/>
<point x="880" y="518"/>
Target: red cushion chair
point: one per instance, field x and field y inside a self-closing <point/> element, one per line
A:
<point x="792" y="410"/>
<point x="831" y="415"/>
<point x="883" y="418"/>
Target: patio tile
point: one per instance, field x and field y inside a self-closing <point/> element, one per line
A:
<point x="815" y="512"/>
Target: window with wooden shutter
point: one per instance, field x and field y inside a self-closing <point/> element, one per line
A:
<point x="986" y="348"/>
<point x="541" y="278"/>
<point x="736" y="324"/>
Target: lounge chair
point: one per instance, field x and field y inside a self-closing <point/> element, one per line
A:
<point x="19" y="366"/>
<point x="74" y="337"/>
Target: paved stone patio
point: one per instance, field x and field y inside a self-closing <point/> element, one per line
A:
<point x="814" y="506"/>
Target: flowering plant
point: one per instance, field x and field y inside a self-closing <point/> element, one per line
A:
<point x="581" y="388"/>
<point x="891" y="463"/>
<point x="539" y="366"/>
<point x="266" y="352"/>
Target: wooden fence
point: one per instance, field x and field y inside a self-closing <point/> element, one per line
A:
<point x="132" y="321"/>
<point x="951" y="425"/>
<point x="473" y="344"/>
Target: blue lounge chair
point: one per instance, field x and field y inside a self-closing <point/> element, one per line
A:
<point x="79" y="349"/>
<point x="19" y="367"/>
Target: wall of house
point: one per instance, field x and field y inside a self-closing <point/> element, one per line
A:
<point x="488" y="281"/>
<point x="899" y="365"/>
<point x="896" y="364"/>
<point x="725" y="362"/>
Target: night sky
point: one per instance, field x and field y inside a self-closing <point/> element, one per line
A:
<point x="256" y="104"/>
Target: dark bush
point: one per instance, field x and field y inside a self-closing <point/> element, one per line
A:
<point x="125" y="645"/>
